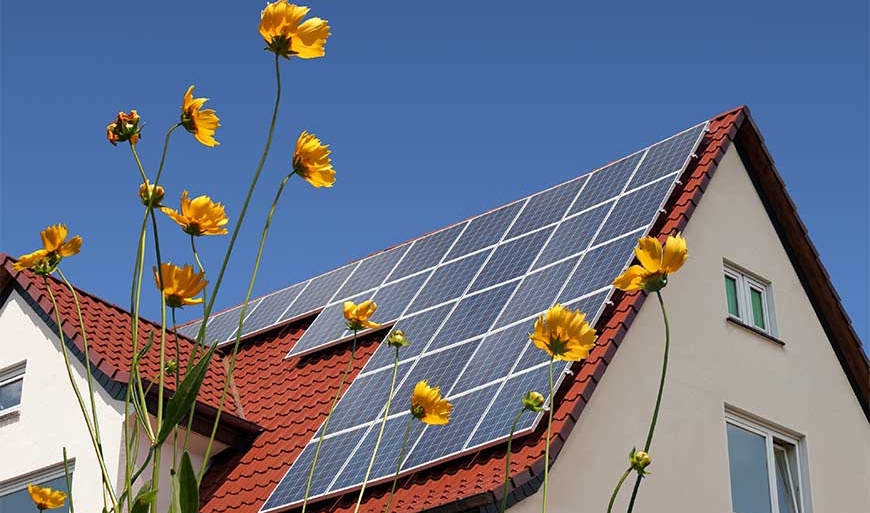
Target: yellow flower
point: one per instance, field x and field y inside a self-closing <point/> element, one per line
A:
<point x="428" y="406"/>
<point x="55" y="248"/>
<point x="656" y="263"/>
<point x="284" y="35"/>
<point x="200" y="122"/>
<point x="182" y="283"/>
<point x="199" y="216"/>
<point x="311" y="161"/>
<point x="533" y="401"/>
<point x="564" y="334"/>
<point x="124" y="128"/>
<point x="46" y="498"/>
<point x="639" y="461"/>
<point x="151" y="195"/>
<point x="357" y="316"/>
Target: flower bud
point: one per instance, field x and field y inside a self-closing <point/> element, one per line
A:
<point x="398" y="339"/>
<point x="533" y="401"/>
<point x="151" y="195"/>
<point x="124" y="128"/>
<point x="639" y="461"/>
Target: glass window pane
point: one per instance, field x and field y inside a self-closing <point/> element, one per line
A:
<point x="19" y="501"/>
<point x="757" y="308"/>
<point x="784" y="485"/>
<point x="747" y="460"/>
<point x="731" y="294"/>
<point x="10" y="394"/>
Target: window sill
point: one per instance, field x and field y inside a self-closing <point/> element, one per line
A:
<point x="10" y="412"/>
<point x="753" y="329"/>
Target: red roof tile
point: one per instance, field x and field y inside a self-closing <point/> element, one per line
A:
<point x="108" y="328"/>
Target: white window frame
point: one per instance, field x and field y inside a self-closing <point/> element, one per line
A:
<point x="8" y="376"/>
<point x="777" y="439"/>
<point x="746" y="282"/>
<point x="42" y="475"/>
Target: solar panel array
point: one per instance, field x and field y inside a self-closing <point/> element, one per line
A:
<point x="466" y="296"/>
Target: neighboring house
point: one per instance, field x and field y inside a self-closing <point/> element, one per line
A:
<point x="766" y="408"/>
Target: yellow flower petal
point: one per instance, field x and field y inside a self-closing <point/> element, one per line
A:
<point x="199" y="216"/>
<point x="181" y="284"/>
<point x="53" y="237"/>
<point x="285" y="34"/>
<point x="311" y="161"/>
<point x="675" y="254"/>
<point x="428" y="406"/>
<point x="632" y="279"/>
<point x="29" y="260"/>
<point x="563" y="334"/>
<point x="649" y="253"/>
<point x="72" y="247"/>
<point x="200" y="122"/>
<point x="357" y="316"/>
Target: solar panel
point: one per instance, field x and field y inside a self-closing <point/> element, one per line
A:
<point x="481" y="285"/>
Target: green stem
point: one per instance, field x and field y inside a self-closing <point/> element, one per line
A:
<point x="197" y="345"/>
<point x="105" y="472"/>
<point x="204" y="289"/>
<point x="616" y="490"/>
<point x="380" y="433"/>
<point x="547" y="447"/>
<point x="507" y="463"/>
<point x="655" y="416"/>
<point x="163" y="155"/>
<point x="177" y="382"/>
<point x="68" y="479"/>
<point x="238" y="225"/>
<point x="232" y="364"/>
<point x="399" y="463"/>
<point x="326" y="422"/>
<point x="155" y="475"/>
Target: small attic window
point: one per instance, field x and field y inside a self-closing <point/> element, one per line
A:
<point x="11" y="385"/>
<point x="749" y="299"/>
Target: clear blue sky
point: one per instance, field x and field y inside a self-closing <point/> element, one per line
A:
<point x="435" y="112"/>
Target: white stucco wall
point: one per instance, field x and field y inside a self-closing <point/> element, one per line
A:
<point x="50" y="419"/>
<point x="800" y="386"/>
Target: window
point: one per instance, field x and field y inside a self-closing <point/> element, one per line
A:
<point x="13" y="492"/>
<point x="764" y="467"/>
<point x="11" y="383"/>
<point x="749" y="299"/>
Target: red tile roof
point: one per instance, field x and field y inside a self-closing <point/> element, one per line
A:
<point x="109" y="338"/>
<point x="290" y="398"/>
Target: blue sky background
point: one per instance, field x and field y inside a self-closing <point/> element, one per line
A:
<point x="435" y="112"/>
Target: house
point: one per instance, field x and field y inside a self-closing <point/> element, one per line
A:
<point x="768" y="393"/>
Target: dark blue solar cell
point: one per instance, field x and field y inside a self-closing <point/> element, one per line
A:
<point x="441" y="441"/>
<point x="222" y="325"/>
<point x="419" y="330"/>
<point x="439" y="369"/>
<point x="359" y="404"/>
<point x="599" y="267"/>
<point x="606" y="183"/>
<point x="448" y="282"/>
<point x="333" y="453"/>
<point x="189" y="330"/>
<point x="473" y="316"/>
<point x="635" y="210"/>
<point x="495" y="357"/>
<point x="498" y="420"/>
<point x="537" y="292"/>
<point x="330" y="325"/>
<point x="270" y="310"/>
<point x="318" y="292"/>
<point x="668" y="156"/>
<point x="388" y="452"/>
<point x="547" y="207"/>
<point x="253" y="306"/>
<point x="426" y="252"/>
<point x="371" y="272"/>
<point x="511" y="259"/>
<point x="485" y="230"/>
<point x="392" y="299"/>
<point x="572" y="236"/>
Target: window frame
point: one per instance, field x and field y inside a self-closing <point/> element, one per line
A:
<point x="745" y="283"/>
<point x="39" y="476"/>
<point x="9" y="375"/>
<point x="776" y="438"/>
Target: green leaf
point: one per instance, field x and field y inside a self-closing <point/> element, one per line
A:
<point x="188" y="487"/>
<point x="175" y="494"/>
<point x="144" y="498"/>
<point x="185" y="396"/>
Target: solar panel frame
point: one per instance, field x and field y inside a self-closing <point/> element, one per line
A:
<point x="521" y="367"/>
